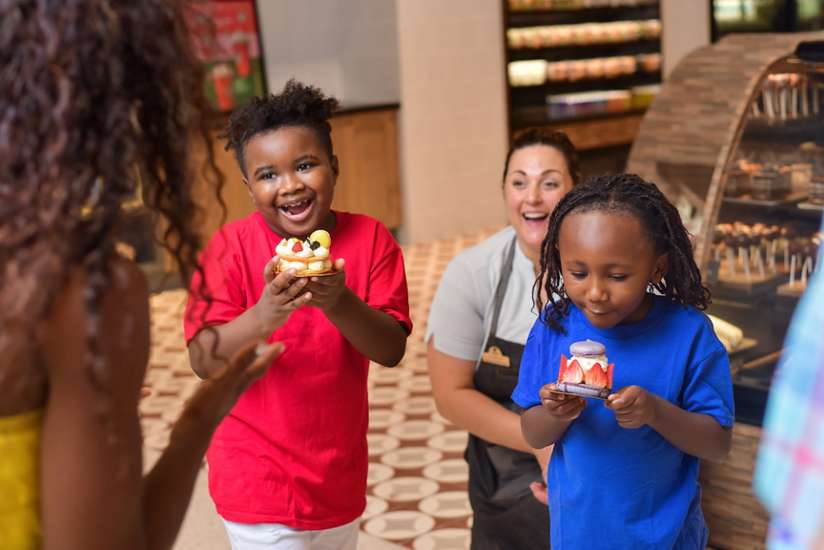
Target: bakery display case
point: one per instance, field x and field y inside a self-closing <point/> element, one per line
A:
<point x="587" y="67"/>
<point x="736" y="140"/>
<point x="736" y="16"/>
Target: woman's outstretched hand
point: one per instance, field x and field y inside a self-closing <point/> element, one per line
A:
<point x="216" y="395"/>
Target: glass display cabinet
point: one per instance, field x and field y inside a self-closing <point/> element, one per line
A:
<point x="736" y="141"/>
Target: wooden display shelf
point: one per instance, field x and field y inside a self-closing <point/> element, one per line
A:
<point x="735" y="517"/>
<point x="746" y="199"/>
<point x="598" y="133"/>
<point x="787" y="131"/>
<point x="794" y="290"/>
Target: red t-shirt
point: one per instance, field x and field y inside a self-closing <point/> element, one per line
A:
<point x="293" y="450"/>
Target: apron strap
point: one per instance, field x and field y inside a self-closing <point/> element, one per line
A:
<point x="503" y="282"/>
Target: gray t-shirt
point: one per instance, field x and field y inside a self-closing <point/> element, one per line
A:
<point x="461" y="312"/>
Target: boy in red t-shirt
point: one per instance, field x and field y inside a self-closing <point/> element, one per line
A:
<point x="287" y="467"/>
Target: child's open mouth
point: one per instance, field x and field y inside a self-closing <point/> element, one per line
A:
<point x="297" y="211"/>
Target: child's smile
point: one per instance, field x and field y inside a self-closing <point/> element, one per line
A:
<point x="291" y="179"/>
<point x="607" y="261"/>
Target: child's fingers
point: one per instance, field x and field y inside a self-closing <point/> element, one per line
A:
<point x="288" y="287"/>
<point x="549" y="392"/>
<point x="622" y="399"/>
<point x="339" y="264"/>
<point x="568" y="409"/>
<point x="269" y="269"/>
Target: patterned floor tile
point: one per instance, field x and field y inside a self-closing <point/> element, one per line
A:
<point x="443" y="539"/>
<point x="416" y="482"/>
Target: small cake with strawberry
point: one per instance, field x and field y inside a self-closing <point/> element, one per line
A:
<point x="309" y="257"/>
<point x="587" y="373"/>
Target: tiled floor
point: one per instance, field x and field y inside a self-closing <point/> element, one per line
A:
<point x="416" y="494"/>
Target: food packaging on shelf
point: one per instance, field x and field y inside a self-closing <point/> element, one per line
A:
<point x="531" y="72"/>
<point x="565" y="106"/>
<point x="642" y="96"/>
<point x="650" y="62"/>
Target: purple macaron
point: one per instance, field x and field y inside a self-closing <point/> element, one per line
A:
<point x="587" y="348"/>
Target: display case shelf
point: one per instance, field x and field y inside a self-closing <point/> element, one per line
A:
<point x="532" y="18"/>
<point x="531" y="95"/>
<point x="605" y="124"/>
<point x="586" y="51"/>
<point x="795" y="131"/>
<point x="538" y="116"/>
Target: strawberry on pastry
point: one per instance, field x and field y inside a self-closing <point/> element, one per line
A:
<point x="307" y="257"/>
<point x="587" y="372"/>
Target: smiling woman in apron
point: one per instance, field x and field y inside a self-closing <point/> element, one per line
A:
<point x="478" y="324"/>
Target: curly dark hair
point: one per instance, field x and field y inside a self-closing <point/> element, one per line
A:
<point x="630" y="194"/>
<point x="551" y="138"/>
<point x="297" y="105"/>
<point x="100" y="102"/>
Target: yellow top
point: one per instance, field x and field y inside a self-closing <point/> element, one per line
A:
<point x="19" y="482"/>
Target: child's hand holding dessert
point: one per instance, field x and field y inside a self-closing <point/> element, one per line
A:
<point x="634" y="407"/>
<point x="284" y="293"/>
<point x="561" y="406"/>
<point x="326" y="292"/>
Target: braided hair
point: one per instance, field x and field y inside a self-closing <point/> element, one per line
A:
<point x="629" y="194"/>
<point x="297" y="105"/>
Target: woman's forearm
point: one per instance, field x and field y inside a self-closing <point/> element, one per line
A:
<point x="167" y="488"/>
<point x="696" y="434"/>
<point x="476" y="413"/>
<point x="541" y="429"/>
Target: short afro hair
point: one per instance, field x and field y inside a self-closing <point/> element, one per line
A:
<point x="297" y="105"/>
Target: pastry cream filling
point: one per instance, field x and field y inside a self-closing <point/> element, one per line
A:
<point x="588" y="362"/>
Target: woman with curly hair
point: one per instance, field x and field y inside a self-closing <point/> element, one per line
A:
<point x="93" y="93"/>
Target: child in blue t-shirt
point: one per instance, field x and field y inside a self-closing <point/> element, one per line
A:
<point x="617" y="267"/>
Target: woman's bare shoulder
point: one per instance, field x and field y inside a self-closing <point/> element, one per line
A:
<point x="119" y="324"/>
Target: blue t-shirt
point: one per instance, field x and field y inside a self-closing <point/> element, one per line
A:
<point x="611" y="487"/>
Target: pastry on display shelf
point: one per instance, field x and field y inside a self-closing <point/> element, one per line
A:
<point x="582" y="34"/>
<point x="530" y="72"/>
<point x="754" y="254"/>
<point x="730" y="335"/>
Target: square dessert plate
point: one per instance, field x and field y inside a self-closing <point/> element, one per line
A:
<point x="581" y="390"/>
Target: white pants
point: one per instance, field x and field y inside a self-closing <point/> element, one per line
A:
<point x="273" y="536"/>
